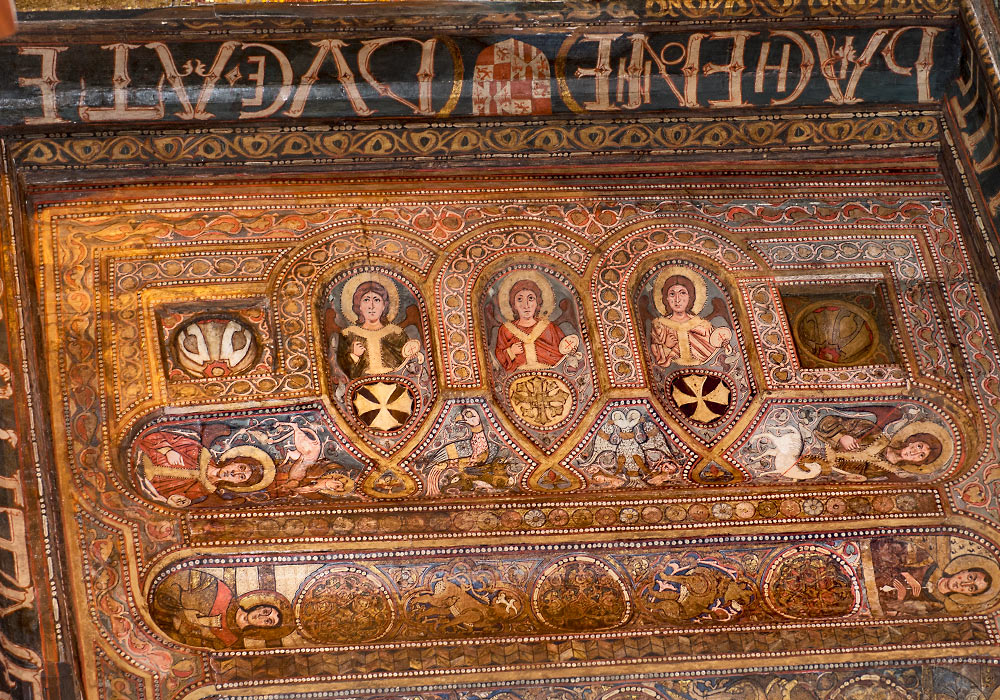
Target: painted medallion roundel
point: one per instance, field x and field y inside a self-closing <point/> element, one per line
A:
<point x="380" y="369"/>
<point x="344" y="605"/>
<point x="694" y="348"/>
<point x="834" y="334"/>
<point x="811" y="582"/>
<point x="873" y="687"/>
<point x="581" y="593"/>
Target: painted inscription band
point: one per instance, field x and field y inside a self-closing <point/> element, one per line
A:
<point x="586" y="71"/>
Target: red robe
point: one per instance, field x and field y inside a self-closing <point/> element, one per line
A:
<point x="223" y="598"/>
<point x="546" y="346"/>
<point x="155" y="446"/>
<point x="196" y="608"/>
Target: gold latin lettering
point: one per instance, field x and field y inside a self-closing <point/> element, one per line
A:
<point x="425" y="72"/>
<point x="806" y="65"/>
<point x="638" y="70"/>
<point x="923" y="64"/>
<point x="258" y="77"/>
<point x="601" y="72"/>
<point x="175" y="77"/>
<point x="829" y="56"/>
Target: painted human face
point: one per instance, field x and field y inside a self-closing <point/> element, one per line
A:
<point x="678" y="299"/>
<point x="331" y="483"/>
<point x="235" y="473"/>
<point x="265" y="616"/>
<point x="967" y="582"/>
<point x="916" y="452"/>
<point x="525" y="304"/>
<point x="372" y="307"/>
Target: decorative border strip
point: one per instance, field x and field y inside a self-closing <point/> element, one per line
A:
<point x="474" y="140"/>
<point x="581" y="516"/>
<point x="970" y="672"/>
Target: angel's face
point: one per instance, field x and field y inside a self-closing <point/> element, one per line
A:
<point x="372" y="307"/>
<point x="525" y="304"/>
<point x="678" y="299"/>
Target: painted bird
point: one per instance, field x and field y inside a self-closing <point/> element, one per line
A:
<point x="469" y="458"/>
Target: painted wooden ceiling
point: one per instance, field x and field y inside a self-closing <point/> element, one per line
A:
<point x="627" y="360"/>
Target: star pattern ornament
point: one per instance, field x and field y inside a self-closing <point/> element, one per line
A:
<point x="383" y="406"/>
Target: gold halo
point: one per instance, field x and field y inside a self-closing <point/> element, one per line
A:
<point x="347" y="294"/>
<point x="256" y="454"/>
<point x="984" y="599"/>
<point x="546" y="304"/>
<point x="938" y="431"/>
<point x="265" y="597"/>
<point x="697" y="281"/>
